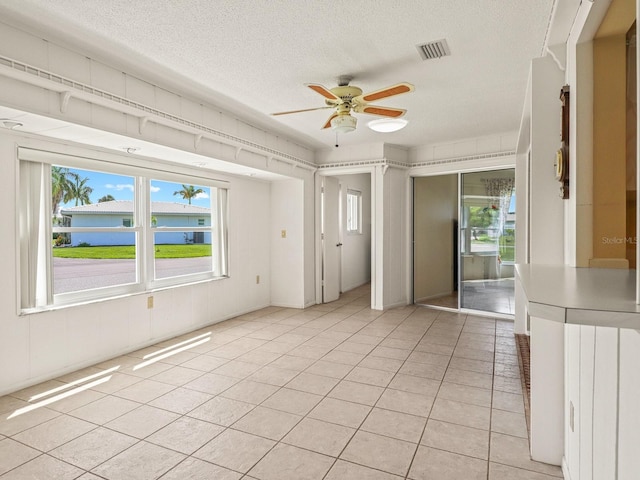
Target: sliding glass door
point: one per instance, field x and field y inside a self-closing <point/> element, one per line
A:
<point x="435" y="241"/>
<point x="464" y="241"/>
<point x="487" y="241"/>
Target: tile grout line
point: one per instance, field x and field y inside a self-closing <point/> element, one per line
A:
<point x="493" y="380"/>
<point x="367" y="322"/>
<point x="436" y="395"/>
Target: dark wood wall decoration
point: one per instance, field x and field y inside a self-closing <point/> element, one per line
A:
<point x="562" y="155"/>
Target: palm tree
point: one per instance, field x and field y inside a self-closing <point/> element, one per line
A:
<point x="106" y="198"/>
<point x="188" y="192"/>
<point x="60" y="185"/>
<point x="78" y="190"/>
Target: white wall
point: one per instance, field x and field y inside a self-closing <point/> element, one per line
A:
<point x="481" y="147"/>
<point x="350" y="153"/>
<point x="395" y="230"/>
<point x="541" y="227"/>
<point x="309" y="266"/>
<point x="546" y="208"/>
<point x="43" y="345"/>
<point x="356" y="247"/>
<point x="286" y="234"/>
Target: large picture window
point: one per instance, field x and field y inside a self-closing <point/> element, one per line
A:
<point x="91" y="230"/>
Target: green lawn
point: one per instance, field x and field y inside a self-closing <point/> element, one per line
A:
<point x="128" y="251"/>
<point x="507" y="253"/>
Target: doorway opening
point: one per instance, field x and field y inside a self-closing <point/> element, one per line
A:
<point x="487" y="241"/>
<point x="345" y="233"/>
<point x="464" y="241"/>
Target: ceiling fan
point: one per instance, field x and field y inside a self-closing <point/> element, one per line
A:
<point x="346" y="98"/>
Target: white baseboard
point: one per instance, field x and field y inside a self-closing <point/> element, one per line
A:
<point x="287" y="305"/>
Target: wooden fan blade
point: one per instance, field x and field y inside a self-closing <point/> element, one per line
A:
<point x="385" y="92"/>
<point x="380" y="111"/>
<point x="328" y="122"/>
<point x="298" y="111"/>
<point x="325" y="92"/>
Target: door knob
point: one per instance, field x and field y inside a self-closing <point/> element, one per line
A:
<point x="338" y="244"/>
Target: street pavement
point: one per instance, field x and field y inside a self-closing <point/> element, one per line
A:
<point x="74" y="274"/>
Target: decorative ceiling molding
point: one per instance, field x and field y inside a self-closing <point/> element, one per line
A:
<point x="464" y="159"/>
<point x="57" y="83"/>
<point x="410" y="166"/>
<point x="364" y="163"/>
<point x="71" y="89"/>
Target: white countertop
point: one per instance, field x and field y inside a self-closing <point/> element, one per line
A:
<point x="587" y="296"/>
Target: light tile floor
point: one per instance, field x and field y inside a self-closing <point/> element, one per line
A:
<point x="334" y="392"/>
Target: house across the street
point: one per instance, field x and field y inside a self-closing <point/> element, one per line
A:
<point x="119" y="213"/>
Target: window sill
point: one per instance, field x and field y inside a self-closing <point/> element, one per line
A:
<point x="24" y="312"/>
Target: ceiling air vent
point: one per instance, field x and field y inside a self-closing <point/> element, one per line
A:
<point x="436" y="49"/>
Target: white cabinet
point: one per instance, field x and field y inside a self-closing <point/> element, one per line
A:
<point x="602" y="395"/>
<point x="573" y="411"/>
<point x="547" y="390"/>
<point x="628" y="405"/>
<point x="585" y="344"/>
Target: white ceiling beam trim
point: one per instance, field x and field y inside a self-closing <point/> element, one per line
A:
<point x="464" y="159"/>
<point x="386" y="163"/>
<point x="362" y="163"/>
<point x="35" y="76"/>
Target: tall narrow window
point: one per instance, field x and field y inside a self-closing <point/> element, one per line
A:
<point x="94" y="239"/>
<point x="182" y="230"/>
<point x="354" y="211"/>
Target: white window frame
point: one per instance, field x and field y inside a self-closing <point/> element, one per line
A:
<point x="35" y="246"/>
<point x="219" y="211"/>
<point x="354" y="225"/>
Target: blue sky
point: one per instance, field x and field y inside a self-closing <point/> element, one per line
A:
<point x="121" y="188"/>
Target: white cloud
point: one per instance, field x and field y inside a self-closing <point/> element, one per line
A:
<point x="154" y="189"/>
<point x="119" y="187"/>
<point x="202" y="195"/>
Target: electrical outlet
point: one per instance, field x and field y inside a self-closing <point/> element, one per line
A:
<point x="149" y="302"/>
<point x="257" y="278"/>
<point x="283" y="233"/>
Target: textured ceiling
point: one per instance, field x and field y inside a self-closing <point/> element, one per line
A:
<point x="254" y="57"/>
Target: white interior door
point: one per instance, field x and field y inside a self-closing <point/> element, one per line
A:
<point x="330" y="240"/>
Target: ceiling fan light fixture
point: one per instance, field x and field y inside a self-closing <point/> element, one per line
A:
<point x="344" y="123"/>
<point x="387" y="125"/>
